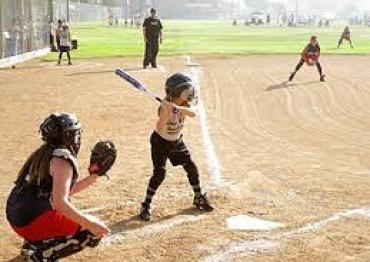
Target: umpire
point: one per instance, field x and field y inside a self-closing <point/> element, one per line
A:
<point x="152" y="30"/>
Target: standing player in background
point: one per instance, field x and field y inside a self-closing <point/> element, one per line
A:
<point x="152" y="31"/>
<point x="167" y="142"/>
<point x="65" y="43"/>
<point x="57" y="32"/>
<point x="346" y="35"/>
<point x="39" y="207"/>
<point x="310" y="55"/>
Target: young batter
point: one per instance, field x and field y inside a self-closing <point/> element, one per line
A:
<point x="167" y="142"/>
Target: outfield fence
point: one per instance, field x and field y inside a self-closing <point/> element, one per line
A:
<point x="85" y="12"/>
<point x="26" y="26"/>
<point x="24" y="30"/>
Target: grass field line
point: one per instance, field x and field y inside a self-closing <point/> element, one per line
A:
<point x="213" y="163"/>
<point x="268" y="243"/>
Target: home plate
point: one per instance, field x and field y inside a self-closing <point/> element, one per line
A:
<point x="244" y="222"/>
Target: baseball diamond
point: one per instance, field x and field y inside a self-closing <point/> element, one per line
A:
<point x="239" y="132"/>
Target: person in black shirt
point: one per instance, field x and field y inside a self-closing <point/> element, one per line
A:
<point x="152" y="30"/>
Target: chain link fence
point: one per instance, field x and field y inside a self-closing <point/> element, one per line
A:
<point x="27" y="26"/>
<point x="24" y="28"/>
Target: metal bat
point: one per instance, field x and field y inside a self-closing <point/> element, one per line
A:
<point x="129" y="78"/>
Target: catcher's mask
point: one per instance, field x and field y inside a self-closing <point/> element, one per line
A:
<point x="62" y="129"/>
<point x="180" y="86"/>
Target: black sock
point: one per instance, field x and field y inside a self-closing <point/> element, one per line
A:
<point x="149" y="196"/>
<point x="197" y="190"/>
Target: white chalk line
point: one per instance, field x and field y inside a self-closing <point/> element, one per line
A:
<point x="265" y="243"/>
<point x="150" y="229"/>
<point x="213" y="163"/>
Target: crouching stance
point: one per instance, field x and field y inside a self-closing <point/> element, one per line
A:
<point x="310" y="55"/>
<point x="38" y="208"/>
<point x="167" y="142"/>
<point x="346" y="35"/>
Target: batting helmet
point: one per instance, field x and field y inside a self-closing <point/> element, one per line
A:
<point x="62" y="129"/>
<point x="180" y="86"/>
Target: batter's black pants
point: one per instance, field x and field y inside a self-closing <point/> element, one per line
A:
<point x="178" y="154"/>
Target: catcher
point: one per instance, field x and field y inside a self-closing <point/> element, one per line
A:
<point x="346" y="35"/>
<point x="310" y="55"/>
<point x="167" y="142"/>
<point x="38" y="207"/>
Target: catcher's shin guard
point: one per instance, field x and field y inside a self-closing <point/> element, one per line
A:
<point x="55" y="248"/>
<point x="202" y="203"/>
<point x="26" y="249"/>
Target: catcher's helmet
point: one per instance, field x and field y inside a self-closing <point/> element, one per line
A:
<point x="180" y="85"/>
<point x="62" y="129"/>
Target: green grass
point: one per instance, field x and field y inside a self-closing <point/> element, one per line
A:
<point x="211" y="37"/>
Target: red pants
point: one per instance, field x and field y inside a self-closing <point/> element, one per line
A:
<point x="48" y="225"/>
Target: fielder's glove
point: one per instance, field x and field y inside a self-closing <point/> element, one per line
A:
<point x="102" y="157"/>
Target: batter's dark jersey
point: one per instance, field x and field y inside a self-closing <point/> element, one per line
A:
<point x="153" y="26"/>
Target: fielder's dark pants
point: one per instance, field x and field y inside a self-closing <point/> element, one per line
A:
<point x="301" y="63"/>
<point x="341" y="41"/>
<point x="178" y="154"/>
<point x="151" y="51"/>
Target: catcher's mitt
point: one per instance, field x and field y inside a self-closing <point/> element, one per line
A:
<point x="102" y="157"/>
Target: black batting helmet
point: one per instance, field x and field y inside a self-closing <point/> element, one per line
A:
<point x="180" y="85"/>
<point x="62" y="129"/>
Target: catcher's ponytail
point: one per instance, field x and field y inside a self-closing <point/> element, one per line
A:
<point x="36" y="166"/>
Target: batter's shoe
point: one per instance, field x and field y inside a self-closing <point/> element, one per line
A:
<point x="145" y="212"/>
<point x="322" y="78"/>
<point x="291" y="77"/>
<point x="202" y="203"/>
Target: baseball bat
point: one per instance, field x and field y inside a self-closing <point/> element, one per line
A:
<point x="135" y="83"/>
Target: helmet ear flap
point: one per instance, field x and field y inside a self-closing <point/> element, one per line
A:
<point x="50" y="129"/>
